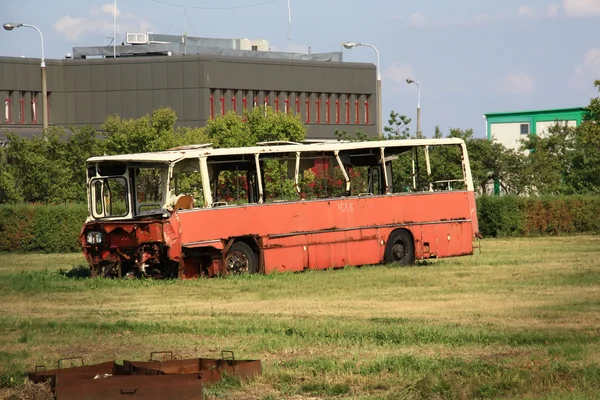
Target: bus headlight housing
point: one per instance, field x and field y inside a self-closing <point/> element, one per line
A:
<point x="95" y="237"/>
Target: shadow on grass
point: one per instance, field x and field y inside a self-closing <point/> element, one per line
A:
<point x="77" y="272"/>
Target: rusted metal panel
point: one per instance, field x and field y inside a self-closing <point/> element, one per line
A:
<point x="42" y="375"/>
<point x="181" y="387"/>
<point x="154" y="379"/>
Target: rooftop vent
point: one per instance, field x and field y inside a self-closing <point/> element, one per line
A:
<point x="137" y="38"/>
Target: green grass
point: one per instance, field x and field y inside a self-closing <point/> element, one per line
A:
<point x="517" y="320"/>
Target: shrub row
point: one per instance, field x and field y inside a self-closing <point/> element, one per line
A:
<point x="507" y="216"/>
<point x="55" y="228"/>
<point x="41" y="228"/>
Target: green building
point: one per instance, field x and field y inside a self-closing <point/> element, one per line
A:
<point x="509" y="127"/>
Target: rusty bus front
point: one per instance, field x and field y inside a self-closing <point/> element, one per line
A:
<point x="131" y="230"/>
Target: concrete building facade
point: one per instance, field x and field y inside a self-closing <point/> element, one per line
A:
<point x="326" y="95"/>
<point x="509" y="128"/>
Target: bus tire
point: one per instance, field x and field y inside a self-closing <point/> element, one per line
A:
<point x="400" y="248"/>
<point x="240" y="259"/>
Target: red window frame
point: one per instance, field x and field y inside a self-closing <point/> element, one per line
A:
<point x="222" y="104"/>
<point x="277" y="102"/>
<point x="308" y="108"/>
<point x="357" y="111"/>
<point x="367" y="111"/>
<point x="234" y="104"/>
<point x="298" y="104"/>
<point x="287" y="105"/>
<point x="347" y="110"/>
<point x="337" y="110"/>
<point x="318" y="105"/>
<point x="327" y="110"/>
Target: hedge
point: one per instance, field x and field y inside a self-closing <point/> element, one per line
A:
<point x="506" y="216"/>
<point x="41" y="228"/>
<point x="55" y="228"/>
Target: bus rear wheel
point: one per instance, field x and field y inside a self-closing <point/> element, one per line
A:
<point x="240" y="259"/>
<point x="400" y="248"/>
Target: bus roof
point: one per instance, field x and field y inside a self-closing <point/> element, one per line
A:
<point x="170" y="156"/>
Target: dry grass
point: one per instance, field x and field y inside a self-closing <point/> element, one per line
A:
<point x="519" y="319"/>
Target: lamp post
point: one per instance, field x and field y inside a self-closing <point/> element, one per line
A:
<point x="9" y="26"/>
<point x="409" y="81"/>
<point x="349" y="45"/>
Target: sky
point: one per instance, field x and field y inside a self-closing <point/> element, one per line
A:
<point x="470" y="57"/>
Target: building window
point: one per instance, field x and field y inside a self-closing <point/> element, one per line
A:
<point x="328" y="109"/>
<point x="7" y="110"/>
<point x="33" y="111"/>
<point x="255" y="48"/>
<point x="524" y="129"/>
<point x="347" y="109"/>
<point x="318" y="108"/>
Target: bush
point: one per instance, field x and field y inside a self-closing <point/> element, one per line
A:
<point x="504" y="216"/>
<point x="41" y="228"/>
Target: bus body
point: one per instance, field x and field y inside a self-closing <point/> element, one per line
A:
<point x="198" y="211"/>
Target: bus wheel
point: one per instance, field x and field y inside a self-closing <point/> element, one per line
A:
<point x="400" y="248"/>
<point x="241" y="259"/>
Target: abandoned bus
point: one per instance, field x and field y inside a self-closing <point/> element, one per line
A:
<point x="197" y="211"/>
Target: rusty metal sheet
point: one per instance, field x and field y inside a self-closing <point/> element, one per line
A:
<point x="42" y="375"/>
<point x="180" y="387"/>
<point x="210" y="368"/>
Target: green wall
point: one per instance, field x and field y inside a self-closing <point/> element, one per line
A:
<point x="533" y="117"/>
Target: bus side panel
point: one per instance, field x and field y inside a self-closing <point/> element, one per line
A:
<point x="451" y="239"/>
<point x="322" y="250"/>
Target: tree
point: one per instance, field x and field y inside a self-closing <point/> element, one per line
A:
<point x="398" y="126"/>
<point x="152" y="132"/>
<point x="585" y="176"/>
<point x="261" y="124"/>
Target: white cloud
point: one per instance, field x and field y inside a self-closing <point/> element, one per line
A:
<point x="526" y="12"/>
<point x="99" y="22"/>
<point x="591" y="61"/>
<point x="553" y="10"/>
<point x="582" y="8"/>
<point x="398" y="73"/>
<point x="588" y="70"/>
<point x="518" y="83"/>
<point x="109" y="9"/>
<point x="417" y="20"/>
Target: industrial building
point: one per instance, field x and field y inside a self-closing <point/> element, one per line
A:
<point x="198" y="78"/>
<point x="509" y="128"/>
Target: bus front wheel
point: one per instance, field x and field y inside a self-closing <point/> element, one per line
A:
<point x="400" y="248"/>
<point x="240" y="259"/>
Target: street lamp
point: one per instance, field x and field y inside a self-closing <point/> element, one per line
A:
<point x="409" y="81"/>
<point x="9" y="26"/>
<point x="349" y="45"/>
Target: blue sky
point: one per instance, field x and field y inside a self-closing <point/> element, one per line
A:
<point x="469" y="56"/>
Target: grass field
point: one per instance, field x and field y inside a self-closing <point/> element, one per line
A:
<point x="520" y="319"/>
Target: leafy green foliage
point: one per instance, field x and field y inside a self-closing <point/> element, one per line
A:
<point x="41" y="228"/>
<point x="155" y="132"/>
<point x="261" y="124"/>
<point x="504" y="216"/>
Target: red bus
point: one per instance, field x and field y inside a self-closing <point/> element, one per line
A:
<point x="197" y="211"/>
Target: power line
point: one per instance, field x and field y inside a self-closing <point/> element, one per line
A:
<point x="215" y="8"/>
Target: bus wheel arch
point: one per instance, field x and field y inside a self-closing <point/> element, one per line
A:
<point x="243" y="256"/>
<point x="400" y="247"/>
